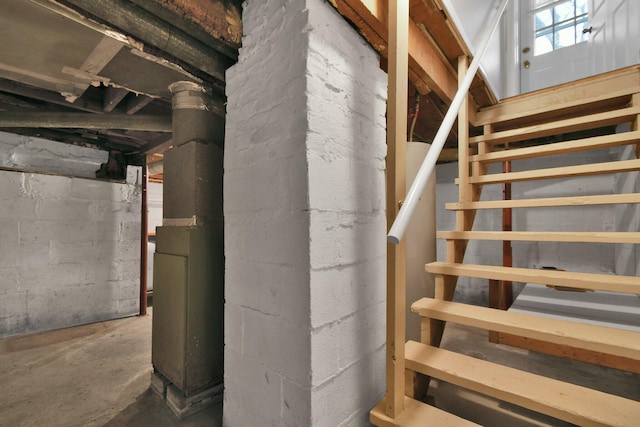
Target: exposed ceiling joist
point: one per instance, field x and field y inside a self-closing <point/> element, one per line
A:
<point x="86" y="121"/>
<point x="427" y="68"/>
<point x="157" y="145"/>
<point x="155" y="32"/>
<point x="112" y="98"/>
<point x="216" y="23"/>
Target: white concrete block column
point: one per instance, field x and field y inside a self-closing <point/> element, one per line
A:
<point x="304" y="220"/>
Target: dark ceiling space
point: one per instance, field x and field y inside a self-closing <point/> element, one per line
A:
<point x="78" y="72"/>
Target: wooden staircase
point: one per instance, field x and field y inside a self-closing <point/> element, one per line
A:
<point x="559" y="120"/>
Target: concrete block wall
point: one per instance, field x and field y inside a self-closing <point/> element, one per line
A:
<point x="594" y="258"/>
<point x="346" y="102"/>
<point x="69" y="251"/>
<point x="36" y="154"/>
<point x="304" y="220"/>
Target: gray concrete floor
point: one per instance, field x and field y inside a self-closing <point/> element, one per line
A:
<point x="93" y="375"/>
<point x="98" y="375"/>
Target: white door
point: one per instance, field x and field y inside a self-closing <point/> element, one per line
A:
<point x="565" y="40"/>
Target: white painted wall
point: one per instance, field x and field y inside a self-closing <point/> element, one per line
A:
<point x="35" y="154"/>
<point x="154" y="206"/>
<point x="69" y="247"/>
<point x="304" y="220"/>
<point x="471" y="18"/>
<point x="594" y="258"/>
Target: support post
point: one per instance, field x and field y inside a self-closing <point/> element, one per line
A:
<point x="396" y="190"/>
<point x="144" y="236"/>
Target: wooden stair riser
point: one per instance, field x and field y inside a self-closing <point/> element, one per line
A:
<point x="568" y="402"/>
<point x="598" y="92"/>
<point x="596" y="338"/>
<point x="555" y="173"/>
<point x="592" y="121"/>
<point x="544" y="236"/>
<point x="574" y="146"/>
<point x="569" y="279"/>
<point x="606" y="199"/>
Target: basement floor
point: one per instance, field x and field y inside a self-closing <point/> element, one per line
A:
<point x="98" y="375"/>
<point x="93" y="375"/>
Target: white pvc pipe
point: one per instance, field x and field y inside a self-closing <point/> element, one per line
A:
<point x="401" y="222"/>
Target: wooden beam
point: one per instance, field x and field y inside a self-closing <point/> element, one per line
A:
<point x="86" y="121"/>
<point x="137" y="103"/>
<point x="216" y="23"/>
<point x="427" y="68"/>
<point x="568" y="402"/>
<point x="153" y="31"/>
<point x="568" y="279"/>
<point x="546" y="236"/>
<point x="591" y="121"/>
<point x="605" y="199"/>
<point x="396" y="191"/>
<point x="159" y="145"/>
<point x="574" y="353"/>
<point x="112" y="97"/>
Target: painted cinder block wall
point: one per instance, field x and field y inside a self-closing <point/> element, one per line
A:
<point x="69" y="247"/>
<point x="304" y="220"/>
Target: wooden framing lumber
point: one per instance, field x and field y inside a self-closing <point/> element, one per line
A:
<point x="596" y="338"/>
<point x="546" y="236"/>
<point x="580" y="94"/>
<point x="567" y="279"/>
<point x="574" y="353"/>
<point x="606" y="199"/>
<point x="573" y="146"/>
<point x="396" y="191"/>
<point x="561" y="172"/>
<point x="568" y="402"/>
<point x="153" y="31"/>
<point x="86" y="121"/>
<point x="575" y="124"/>
<point x="417" y="414"/>
<point x="427" y="69"/>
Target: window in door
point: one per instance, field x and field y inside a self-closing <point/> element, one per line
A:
<point x="559" y="24"/>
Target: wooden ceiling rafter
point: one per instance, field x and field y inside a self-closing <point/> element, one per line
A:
<point x="434" y="46"/>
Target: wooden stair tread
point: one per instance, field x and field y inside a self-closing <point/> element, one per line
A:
<point x="595" y="338"/>
<point x="606" y="199"/>
<point x="569" y="402"/>
<point x="545" y="236"/>
<point x="570" y="279"/>
<point x="590" y="121"/>
<point x="561" y="172"/>
<point x="588" y="91"/>
<point x="416" y="414"/>
<point x="555" y="148"/>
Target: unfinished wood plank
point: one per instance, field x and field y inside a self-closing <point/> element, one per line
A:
<point x="416" y="414"/>
<point x="590" y="121"/>
<point x="568" y="402"/>
<point x="614" y="84"/>
<point x="567" y="279"/>
<point x="545" y="236"/>
<point x="596" y="338"/>
<point x="606" y="199"/>
<point x="583" y="355"/>
<point x="561" y="172"/>
<point x="396" y="191"/>
<point x="573" y="146"/>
